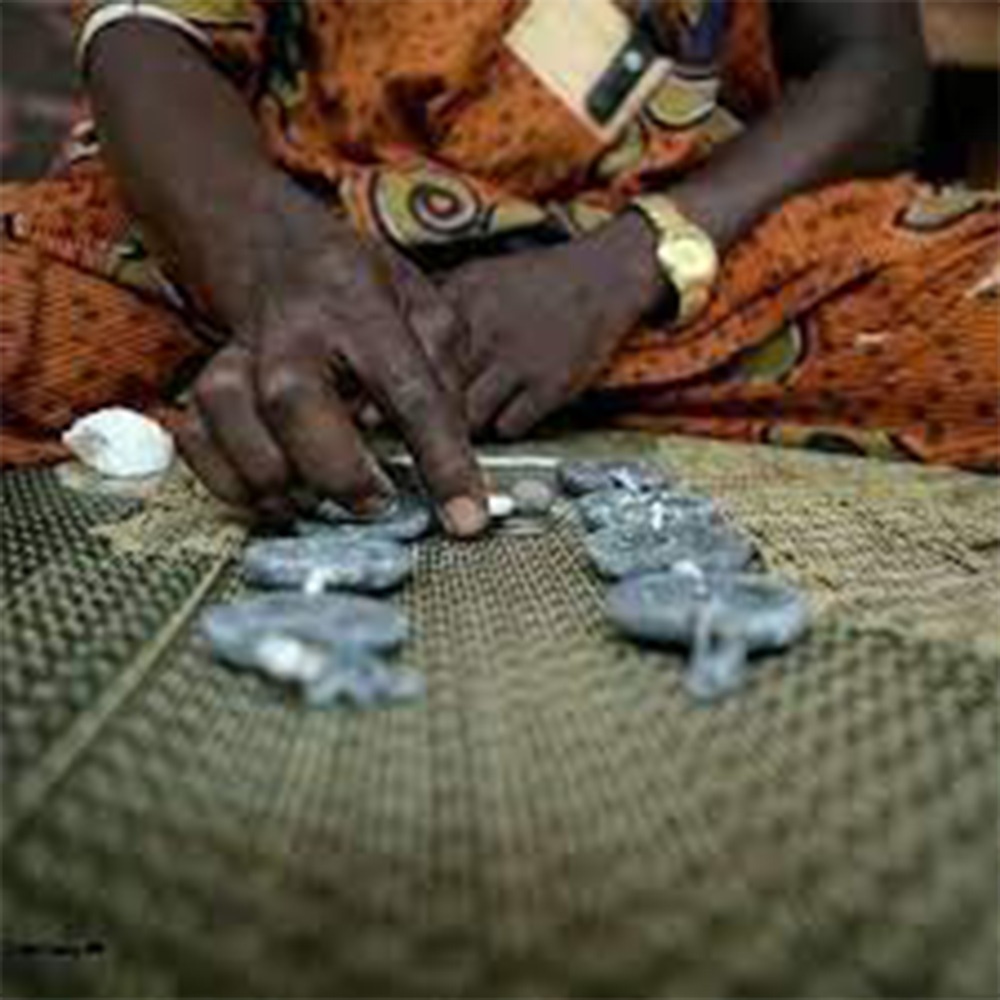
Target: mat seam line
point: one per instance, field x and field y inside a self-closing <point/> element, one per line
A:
<point x="61" y="758"/>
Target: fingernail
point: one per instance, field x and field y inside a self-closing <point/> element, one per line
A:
<point x="464" y="516"/>
<point x="373" y="505"/>
<point x="381" y="499"/>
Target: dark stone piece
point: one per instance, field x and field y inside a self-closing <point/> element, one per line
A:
<point x="322" y="561"/>
<point x="588" y="475"/>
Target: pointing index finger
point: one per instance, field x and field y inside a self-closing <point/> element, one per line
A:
<point x="429" y="420"/>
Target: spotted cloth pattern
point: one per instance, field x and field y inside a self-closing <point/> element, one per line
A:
<point x="557" y="818"/>
<point x="861" y="317"/>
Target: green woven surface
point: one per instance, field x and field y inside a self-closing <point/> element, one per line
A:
<point x="556" y="819"/>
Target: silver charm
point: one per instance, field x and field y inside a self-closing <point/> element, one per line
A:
<point x="324" y="648"/>
<point x="243" y="633"/>
<point x="363" y="564"/>
<point x="349" y="534"/>
<point x="588" y="475"/>
<point x="713" y="548"/>
<point x="406" y="518"/>
<point x="655" y="510"/>
<point x="720" y="618"/>
<point x="360" y="680"/>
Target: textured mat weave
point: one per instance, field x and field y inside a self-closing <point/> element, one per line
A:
<point x="556" y="820"/>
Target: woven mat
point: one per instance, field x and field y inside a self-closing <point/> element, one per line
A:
<point x="556" y="819"/>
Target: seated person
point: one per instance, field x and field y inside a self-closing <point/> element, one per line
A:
<point x="459" y="216"/>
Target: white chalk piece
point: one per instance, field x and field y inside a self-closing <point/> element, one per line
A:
<point x="500" y="505"/>
<point x="120" y="443"/>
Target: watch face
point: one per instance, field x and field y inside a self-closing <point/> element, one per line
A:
<point x="690" y="259"/>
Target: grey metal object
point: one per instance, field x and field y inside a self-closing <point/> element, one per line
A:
<point x="720" y="618"/>
<point x="359" y="680"/>
<point x="532" y="497"/>
<point x="582" y="476"/>
<point x="324" y="673"/>
<point x="348" y="534"/>
<point x="407" y="518"/>
<point x="362" y="564"/>
<point x="236" y="631"/>
<point x="616" y="553"/>
<point x="654" y="511"/>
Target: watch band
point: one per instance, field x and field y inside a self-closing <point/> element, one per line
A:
<point x="685" y="252"/>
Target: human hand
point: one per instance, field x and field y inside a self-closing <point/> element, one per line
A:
<point x="543" y="324"/>
<point x="322" y="321"/>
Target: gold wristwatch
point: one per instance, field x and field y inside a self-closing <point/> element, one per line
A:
<point x="686" y="254"/>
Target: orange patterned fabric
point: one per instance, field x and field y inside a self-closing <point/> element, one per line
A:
<point x="860" y="317"/>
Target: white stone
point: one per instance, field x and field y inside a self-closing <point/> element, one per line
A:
<point x="120" y="443"/>
<point x="287" y="658"/>
<point x="500" y="505"/>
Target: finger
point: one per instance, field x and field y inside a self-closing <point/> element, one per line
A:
<point x="441" y="333"/>
<point x="520" y="415"/>
<point x="438" y="325"/>
<point x="226" y="397"/>
<point x="317" y="433"/>
<point x="491" y="391"/>
<point x="430" y="422"/>
<point x="208" y="462"/>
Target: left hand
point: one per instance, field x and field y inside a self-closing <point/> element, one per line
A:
<point x="543" y="324"/>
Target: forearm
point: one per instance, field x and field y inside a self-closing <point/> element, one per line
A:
<point x="858" y="115"/>
<point x="855" y="109"/>
<point x="187" y="155"/>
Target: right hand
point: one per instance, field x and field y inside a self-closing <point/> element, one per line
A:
<point x="314" y="311"/>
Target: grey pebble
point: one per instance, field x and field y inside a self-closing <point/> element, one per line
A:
<point x="582" y="476"/>
<point x="721" y="618"/>
<point x="238" y="633"/>
<point x="712" y="548"/>
<point x="532" y="497"/>
<point x="655" y="510"/>
<point x="364" y="564"/>
<point x="306" y="527"/>
<point x="360" y="680"/>
<point x="406" y="518"/>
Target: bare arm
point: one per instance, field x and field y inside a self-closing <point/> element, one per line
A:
<point x="308" y="304"/>
<point x="186" y="152"/>
<point x="855" y="107"/>
<point x="547" y="323"/>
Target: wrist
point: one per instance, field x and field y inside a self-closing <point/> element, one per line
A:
<point x="687" y="256"/>
<point x="629" y="246"/>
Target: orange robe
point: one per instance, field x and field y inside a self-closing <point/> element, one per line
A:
<point x="861" y="317"/>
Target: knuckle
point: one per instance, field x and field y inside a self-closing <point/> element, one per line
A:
<point x="451" y="473"/>
<point x="414" y="398"/>
<point x="223" y="381"/>
<point x="282" y="388"/>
